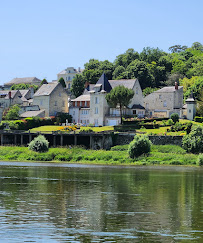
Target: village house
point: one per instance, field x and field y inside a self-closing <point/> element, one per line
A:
<point x="52" y="98"/>
<point x="68" y="74"/>
<point x="92" y="107"/>
<point x="164" y="102"/>
<point x="28" y="80"/>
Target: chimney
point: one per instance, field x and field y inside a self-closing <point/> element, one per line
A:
<point x="87" y="85"/>
<point x="176" y="86"/>
<point x="9" y="94"/>
<point x="79" y="69"/>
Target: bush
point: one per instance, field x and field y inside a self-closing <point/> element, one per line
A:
<point x="39" y="144"/>
<point x="198" y="119"/>
<point x="200" y="160"/>
<point x="193" y="142"/>
<point x="140" y="145"/>
<point x="119" y="148"/>
<point x="175" y="117"/>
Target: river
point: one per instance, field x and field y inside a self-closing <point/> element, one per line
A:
<point x="47" y="202"/>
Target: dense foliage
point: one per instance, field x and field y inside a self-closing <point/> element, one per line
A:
<point x="153" y="67"/>
<point x="78" y="85"/>
<point x="193" y="142"/>
<point x="24" y="86"/>
<point x="12" y="113"/>
<point x="62" y="82"/>
<point x="140" y="145"/>
<point x="39" y="144"/>
<point x="200" y="160"/>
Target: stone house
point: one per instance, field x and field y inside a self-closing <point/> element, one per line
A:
<point x="164" y="102"/>
<point x="52" y="98"/>
<point x="92" y="107"/>
<point x="68" y="74"/>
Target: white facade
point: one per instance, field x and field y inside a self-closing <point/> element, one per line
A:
<point x="68" y="74"/>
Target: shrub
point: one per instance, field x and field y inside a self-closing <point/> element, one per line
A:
<point x="198" y="119"/>
<point x="140" y="145"/>
<point x="169" y="122"/>
<point x="200" y="160"/>
<point x="119" y="148"/>
<point x="39" y="144"/>
<point x="175" y="117"/>
<point x="193" y="142"/>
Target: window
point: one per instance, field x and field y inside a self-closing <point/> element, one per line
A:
<point x="160" y="97"/>
<point x="137" y="90"/>
<point x="69" y="86"/>
<point x="63" y="103"/>
<point x="68" y="78"/>
<point x="189" y="111"/>
<point x="134" y="112"/>
<point x="73" y="112"/>
<point x="96" y="100"/>
<point x="41" y="102"/>
<point x="165" y="103"/>
<point x="59" y="94"/>
<point x="96" y="110"/>
<point x="55" y="103"/>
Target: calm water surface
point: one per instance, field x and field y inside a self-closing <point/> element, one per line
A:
<point x="78" y="203"/>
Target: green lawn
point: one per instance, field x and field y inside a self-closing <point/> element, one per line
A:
<point x="58" y="128"/>
<point x="45" y="129"/>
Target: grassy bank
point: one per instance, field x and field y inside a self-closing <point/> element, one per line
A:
<point x="162" y="154"/>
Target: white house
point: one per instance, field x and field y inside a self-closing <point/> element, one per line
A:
<point x="68" y="74"/>
<point x="92" y="107"/>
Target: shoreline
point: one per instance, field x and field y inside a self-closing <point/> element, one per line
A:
<point x="160" y="155"/>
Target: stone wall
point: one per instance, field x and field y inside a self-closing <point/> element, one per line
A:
<point x="122" y="139"/>
<point x="162" y="140"/>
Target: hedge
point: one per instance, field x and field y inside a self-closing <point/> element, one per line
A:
<point x="198" y="119"/>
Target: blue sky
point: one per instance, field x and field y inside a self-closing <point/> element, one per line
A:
<point x="42" y="37"/>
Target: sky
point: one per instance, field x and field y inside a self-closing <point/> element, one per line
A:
<point x="40" y="38"/>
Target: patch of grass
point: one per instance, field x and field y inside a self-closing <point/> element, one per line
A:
<point x="161" y="154"/>
<point x="45" y="129"/>
<point x="99" y="129"/>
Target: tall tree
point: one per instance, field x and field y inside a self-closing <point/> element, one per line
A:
<point x="62" y="82"/>
<point x="77" y="87"/>
<point x="120" y="96"/>
<point x="12" y="113"/>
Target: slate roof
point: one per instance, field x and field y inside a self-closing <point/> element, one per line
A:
<point x="128" y="83"/>
<point x="28" y="80"/>
<point x="89" y="88"/>
<point x="82" y="98"/>
<point x="168" y="89"/>
<point x="5" y="92"/>
<point x="103" y="81"/>
<point x="24" y="92"/>
<point x="46" y="89"/>
<point x="138" y="107"/>
<point x="32" y="113"/>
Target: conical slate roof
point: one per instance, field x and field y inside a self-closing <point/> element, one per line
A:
<point x="104" y="82"/>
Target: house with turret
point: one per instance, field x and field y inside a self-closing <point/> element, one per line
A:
<point x="92" y="108"/>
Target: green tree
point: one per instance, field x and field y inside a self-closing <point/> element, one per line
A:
<point x="149" y="54"/>
<point x="62" y="82"/>
<point x="44" y="81"/>
<point x="197" y="46"/>
<point x="78" y="83"/>
<point x="119" y="72"/>
<point x="140" y="145"/>
<point x="126" y="58"/>
<point x="140" y="70"/>
<point x="177" y="48"/>
<point x="120" y="96"/>
<point x="24" y="86"/>
<point x="12" y="113"/>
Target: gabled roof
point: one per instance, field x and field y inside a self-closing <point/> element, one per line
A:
<point x="82" y="98"/>
<point x="27" y="80"/>
<point x="128" y="83"/>
<point x="46" y="89"/>
<point x="104" y="83"/>
<point x="24" y="92"/>
<point x="32" y="113"/>
<point x="6" y="93"/>
<point x="168" y="89"/>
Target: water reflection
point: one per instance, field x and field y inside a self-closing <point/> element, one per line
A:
<point x="100" y="204"/>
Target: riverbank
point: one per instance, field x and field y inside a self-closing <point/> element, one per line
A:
<point x="160" y="155"/>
